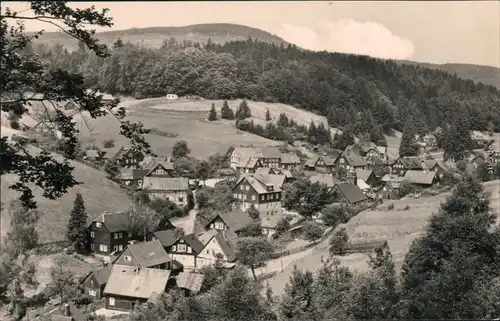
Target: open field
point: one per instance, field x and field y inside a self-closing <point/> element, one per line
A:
<point x="186" y="120"/>
<point x="393" y="143"/>
<point x="398" y="227"/>
<point x="100" y="194"/>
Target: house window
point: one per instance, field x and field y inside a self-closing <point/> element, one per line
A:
<point x="112" y="302"/>
<point x="127" y="258"/>
<point x="189" y="250"/>
<point x="98" y="224"/>
<point x="219" y="225"/>
<point x="92" y="246"/>
<point x="120" y="247"/>
<point x="174" y="248"/>
<point x="181" y="199"/>
<point x="181" y="248"/>
<point x="115" y="236"/>
<point x="262" y="197"/>
<point x="129" y="234"/>
<point x="208" y="251"/>
<point x="253" y="197"/>
<point x="92" y="235"/>
<point x="235" y="195"/>
<point x="103" y="248"/>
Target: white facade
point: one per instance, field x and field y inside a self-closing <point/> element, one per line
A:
<point x="177" y="197"/>
<point x="207" y="255"/>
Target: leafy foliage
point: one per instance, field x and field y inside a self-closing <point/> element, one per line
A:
<point x="25" y="78"/>
<point x="312" y="231"/>
<point x="339" y="242"/>
<point x="253" y="251"/>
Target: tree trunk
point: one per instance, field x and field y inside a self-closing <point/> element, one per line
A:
<point x="253" y="272"/>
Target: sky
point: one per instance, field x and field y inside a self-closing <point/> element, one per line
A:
<point x="424" y="31"/>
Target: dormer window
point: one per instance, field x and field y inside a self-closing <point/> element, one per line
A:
<point x="270" y="188"/>
<point x="98" y="224"/>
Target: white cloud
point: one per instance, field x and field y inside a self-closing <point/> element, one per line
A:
<point x="350" y="36"/>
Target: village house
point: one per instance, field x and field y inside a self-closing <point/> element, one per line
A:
<point x="49" y="128"/>
<point x="275" y="171"/>
<point x="327" y="180"/>
<point x="234" y="221"/>
<point x="94" y="156"/>
<point x="268" y="223"/>
<point x="131" y="176"/>
<point x="174" y="189"/>
<point x="125" y="157"/>
<point x="347" y="192"/>
<point x="354" y="161"/>
<point x="195" y="251"/>
<point x="269" y="156"/>
<point x="389" y="190"/>
<point x="403" y="164"/>
<point x="227" y="173"/>
<point x="428" y="140"/>
<point x="260" y="192"/>
<point x="422" y="179"/>
<point x="66" y="312"/>
<point x="290" y="161"/>
<point x="321" y="164"/>
<point x="367" y="176"/>
<point x="94" y="282"/>
<point x="248" y="167"/>
<point x="128" y="285"/>
<point x="111" y="232"/>
<point x="189" y="282"/>
<point x="168" y="237"/>
<point x="150" y="255"/>
<point x="436" y="166"/>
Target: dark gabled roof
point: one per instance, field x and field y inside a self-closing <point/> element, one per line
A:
<point x="227" y="246"/>
<point x="355" y="160"/>
<point x="193" y="241"/>
<point x="115" y="222"/>
<point x="235" y="220"/>
<point x="352" y="193"/>
<point x="259" y="184"/>
<point x="168" y="166"/>
<point x="149" y="254"/>
<point x="167" y="238"/>
<point x="364" y="174"/>
<point x="101" y="275"/>
<point x="410" y="162"/>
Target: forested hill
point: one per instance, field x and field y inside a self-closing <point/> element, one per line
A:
<point x="347" y="89"/>
<point x="486" y="74"/>
<point x="155" y="36"/>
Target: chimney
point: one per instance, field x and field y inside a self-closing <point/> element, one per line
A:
<point x="66" y="310"/>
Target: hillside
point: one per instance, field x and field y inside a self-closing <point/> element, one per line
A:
<point x="488" y="75"/>
<point x="100" y="194"/>
<point x="154" y="37"/>
<point x="398" y="227"/>
<point x="186" y="119"/>
<point x="368" y="94"/>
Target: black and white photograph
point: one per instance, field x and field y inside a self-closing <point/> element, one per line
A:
<point x="249" y="160"/>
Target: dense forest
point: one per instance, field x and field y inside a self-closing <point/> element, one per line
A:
<point x="344" y="88"/>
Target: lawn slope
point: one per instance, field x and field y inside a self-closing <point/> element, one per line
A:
<point x="100" y="194"/>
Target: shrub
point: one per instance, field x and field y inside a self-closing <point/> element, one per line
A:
<point x="407" y="207"/>
<point x="390" y="207"/>
<point x="108" y="143"/>
<point x="15" y="125"/>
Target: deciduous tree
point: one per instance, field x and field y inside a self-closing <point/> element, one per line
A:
<point x="253" y="251"/>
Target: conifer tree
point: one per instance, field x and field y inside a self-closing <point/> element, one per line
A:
<point x="268" y="115"/>
<point x="77" y="227"/>
<point x="408" y="146"/>
<point x="226" y="112"/>
<point x="243" y="111"/>
<point x="213" y="114"/>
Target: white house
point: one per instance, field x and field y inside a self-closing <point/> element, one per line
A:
<point x="172" y="97"/>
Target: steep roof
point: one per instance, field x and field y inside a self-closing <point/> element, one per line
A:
<point x="235" y="220"/>
<point x="410" y="162"/>
<point x="101" y="275"/>
<point x="276" y="180"/>
<point x="226" y="245"/>
<point x="362" y="184"/>
<point x="115" y="222"/>
<point x="189" y="280"/>
<point x="246" y="153"/>
<point x="149" y="253"/>
<point x="168" y="166"/>
<point x="259" y="184"/>
<point x="166" y="183"/>
<point x="206" y="236"/>
<point x="364" y="174"/>
<point x="193" y="241"/>
<point x="325" y="179"/>
<point x="352" y="193"/>
<point x="355" y="160"/>
<point x="420" y="177"/>
<point x="167" y="238"/>
<point x="136" y="282"/>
